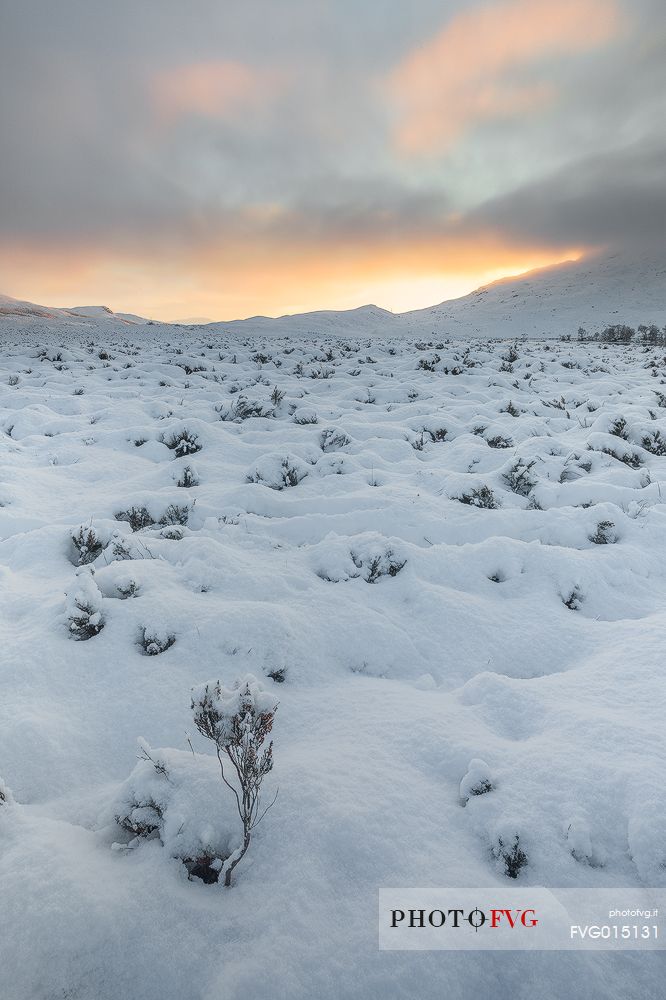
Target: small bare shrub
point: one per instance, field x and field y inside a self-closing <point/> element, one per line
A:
<point x="278" y="674"/>
<point x="428" y="364"/>
<point x="183" y="443"/>
<point x="499" y="442"/>
<point x="630" y="458"/>
<point x="619" y="428"/>
<point x="84" y="608"/>
<point x="482" y="496"/>
<point x="574" y="600"/>
<point x="87" y="545"/>
<point x="242" y="409"/>
<point x="154" y="642"/>
<point x="333" y="439"/>
<point x="604" y="533"/>
<point x="238" y="721"/>
<point x="137" y="518"/>
<point x="188" y="478"/>
<point x="374" y="566"/>
<point x="654" y="443"/>
<point x="175" y="514"/>
<point x="520" y="479"/>
<point x="513" y="857"/>
<point x="304" y="415"/>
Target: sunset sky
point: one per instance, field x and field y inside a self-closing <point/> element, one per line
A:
<point x="219" y="158"/>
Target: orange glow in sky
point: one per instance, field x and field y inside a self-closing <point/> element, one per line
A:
<point x="218" y="285"/>
<point x="231" y="165"/>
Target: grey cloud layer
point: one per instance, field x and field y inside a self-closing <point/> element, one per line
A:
<point x="83" y="158"/>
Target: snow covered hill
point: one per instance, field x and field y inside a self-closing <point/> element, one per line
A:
<point x="549" y="302"/>
<point x="366" y="321"/>
<point x="555" y="300"/>
<point x="12" y="308"/>
<point x="103" y="312"/>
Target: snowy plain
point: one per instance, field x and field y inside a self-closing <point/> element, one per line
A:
<point x="446" y="561"/>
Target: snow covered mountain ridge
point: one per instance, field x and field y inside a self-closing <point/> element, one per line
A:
<point x="19" y="307"/>
<point x="593" y="292"/>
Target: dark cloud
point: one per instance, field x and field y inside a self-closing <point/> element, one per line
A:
<point x="617" y="198"/>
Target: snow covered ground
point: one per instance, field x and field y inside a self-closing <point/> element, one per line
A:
<point x="445" y="560"/>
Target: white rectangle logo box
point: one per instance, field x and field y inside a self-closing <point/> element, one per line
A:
<point x="522" y="919"/>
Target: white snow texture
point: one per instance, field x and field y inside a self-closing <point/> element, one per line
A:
<point x="450" y="574"/>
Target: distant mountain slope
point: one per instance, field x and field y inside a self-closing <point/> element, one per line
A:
<point x="364" y="321"/>
<point x="556" y="300"/>
<point x="19" y="307"/>
<point x="549" y="302"/>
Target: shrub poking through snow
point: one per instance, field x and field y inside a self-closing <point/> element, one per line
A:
<point x="512" y="856"/>
<point x="155" y="641"/>
<point x="278" y="472"/>
<point x="137" y="518"/>
<point x="374" y="565"/>
<point x="604" y="533"/>
<point x="170" y="797"/>
<point x="574" y="600"/>
<point x="482" y="496"/>
<point x="188" y="478"/>
<point x="129" y="548"/>
<point x="305" y="415"/>
<point x="175" y="514"/>
<point x="477" y="781"/>
<point x="121" y="550"/>
<point x="242" y="409"/>
<point x="372" y="557"/>
<point x="142" y="818"/>
<point x="579" y="842"/>
<point x="278" y="674"/>
<point x="575" y="466"/>
<point x="498" y="441"/>
<point x="520" y="479"/>
<point x="654" y="443"/>
<point x="238" y="721"/>
<point x="172" y="533"/>
<point x="428" y="364"/>
<point x="619" y="428"/>
<point x="183" y="443"/>
<point x="128" y="589"/>
<point x="630" y="458"/>
<point x="87" y="545"/>
<point x="333" y="439"/>
<point x="84" y="608"/>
